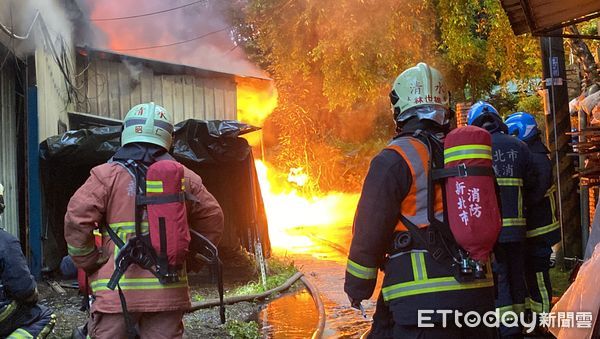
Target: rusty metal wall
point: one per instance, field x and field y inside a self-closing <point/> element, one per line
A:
<point x="114" y="87"/>
<point x="8" y="147"/>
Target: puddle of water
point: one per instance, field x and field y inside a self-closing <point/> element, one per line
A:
<point x="292" y="316"/>
<point x="323" y="261"/>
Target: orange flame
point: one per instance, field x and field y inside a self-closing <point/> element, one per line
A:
<point x="288" y="211"/>
<point x="256" y="99"/>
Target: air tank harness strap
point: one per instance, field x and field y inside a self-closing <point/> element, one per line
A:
<point x="462" y="171"/>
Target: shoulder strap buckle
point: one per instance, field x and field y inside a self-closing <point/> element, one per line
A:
<point x="462" y="170"/>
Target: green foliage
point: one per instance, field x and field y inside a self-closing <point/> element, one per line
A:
<point x="333" y="63"/>
<point x="197" y="297"/>
<point x="279" y="271"/>
<point x="242" y="330"/>
<point x="480" y="47"/>
<point x="560" y="281"/>
<point x="591" y="28"/>
<point x="531" y="104"/>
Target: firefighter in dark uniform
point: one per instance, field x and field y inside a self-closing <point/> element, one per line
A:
<point x="543" y="227"/>
<point x="513" y="174"/>
<point x="395" y="189"/>
<point x="20" y="315"/>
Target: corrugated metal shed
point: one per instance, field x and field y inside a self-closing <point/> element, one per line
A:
<point x="8" y="156"/>
<point x="52" y="95"/>
<point x="114" y="83"/>
<point x="538" y="16"/>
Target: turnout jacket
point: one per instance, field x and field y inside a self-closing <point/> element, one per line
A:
<point x="413" y="279"/>
<point x="18" y="285"/>
<point x="107" y="199"/>
<point x="510" y="157"/>
<point x="543" y="227"/>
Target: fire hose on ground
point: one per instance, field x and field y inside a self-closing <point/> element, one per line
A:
<point x="318" y="333"/>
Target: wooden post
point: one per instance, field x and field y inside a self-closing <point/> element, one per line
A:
<point x="556" y="109"/>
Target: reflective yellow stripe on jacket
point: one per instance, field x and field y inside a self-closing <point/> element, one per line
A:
<point x="20" y="334"/>
<point x="80" y="251"/>
<point x="138" y="284"/>
<point x="555" y="223"/>
<point x="430" y="285"/>
<point x="8" y="310"/>
<point x="123" y="229"/>
<point x="360" y="271"/>
<point x="422" y="284"/>
<point x="520" y="220"/>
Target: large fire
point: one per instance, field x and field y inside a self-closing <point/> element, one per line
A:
<point x="293" y="218"/>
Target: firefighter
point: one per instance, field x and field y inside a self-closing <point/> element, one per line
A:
<point x="543" y="228"/>
<point x="20" y="315"/>
<point x="107" y="199"/>
<point x="511" y="165"/>
<point x="395" y="189"/>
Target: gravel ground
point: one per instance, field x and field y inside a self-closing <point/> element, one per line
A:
<point x="200" y="324"/>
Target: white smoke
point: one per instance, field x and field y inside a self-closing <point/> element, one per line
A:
<point x="21" y="18"/>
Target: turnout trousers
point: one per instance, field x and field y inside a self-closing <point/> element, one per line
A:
<point x="151" y="325"/>
<point x="537" y="266"/>
<point x="25" y="321"/>
<point x="509" y="273"/>
<point x="385" y="327"/>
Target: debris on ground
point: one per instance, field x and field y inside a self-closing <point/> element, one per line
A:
<point x="240" y="276"/>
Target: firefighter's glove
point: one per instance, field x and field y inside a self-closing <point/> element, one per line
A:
<point x="357" y="304"/>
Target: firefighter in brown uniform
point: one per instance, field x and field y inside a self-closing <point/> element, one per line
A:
<point x="395" y="189"/>
<point x="107" y="199"/>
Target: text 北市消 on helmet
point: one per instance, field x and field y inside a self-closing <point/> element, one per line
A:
<point x="522" y="125"/>
<point x="479" y="110"/>
<point x="149" y="123"/>
<point x="421" y="92"/>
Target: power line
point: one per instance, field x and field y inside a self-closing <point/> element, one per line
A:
<point x="173" y="43"/>
<point x="13" y="35"/>
<point x="147" y="14"/>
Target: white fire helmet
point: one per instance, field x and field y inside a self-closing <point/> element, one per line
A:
<point x="420" y="91"/>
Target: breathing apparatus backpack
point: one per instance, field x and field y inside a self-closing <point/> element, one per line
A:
<point x="161" y="195"/>
<point x="472" y="221"/>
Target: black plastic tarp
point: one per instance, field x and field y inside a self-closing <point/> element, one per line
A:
<point x="212" y="149"/>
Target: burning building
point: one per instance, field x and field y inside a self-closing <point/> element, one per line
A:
<point x="49" y="85"/>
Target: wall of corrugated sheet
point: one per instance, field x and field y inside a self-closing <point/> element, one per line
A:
<point x="113" y="88"/>
<point x="8" y="145"/>
<point x="52" y="94"/>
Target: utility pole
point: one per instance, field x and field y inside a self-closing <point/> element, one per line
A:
<point x="556" y="109"/>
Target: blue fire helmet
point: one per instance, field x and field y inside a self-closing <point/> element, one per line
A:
<point x="479" y="109"/>
<point x="522" y="125"/>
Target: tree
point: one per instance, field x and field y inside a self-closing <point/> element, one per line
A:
<point x="333" y="62"/>
<point x="481" y="51"/>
